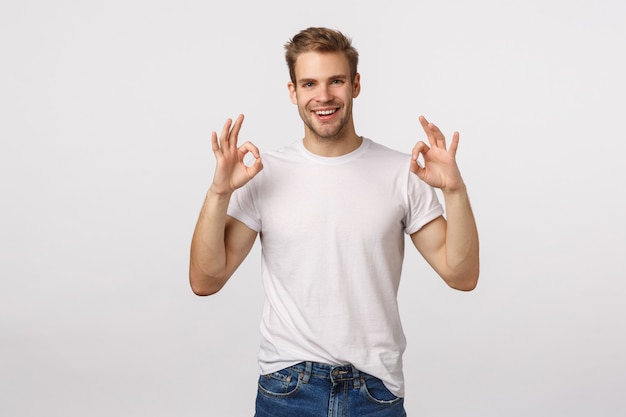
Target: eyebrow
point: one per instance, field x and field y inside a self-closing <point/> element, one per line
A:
<point x="332" y="77"/>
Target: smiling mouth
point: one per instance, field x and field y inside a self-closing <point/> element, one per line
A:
<point x="325" y="112"/>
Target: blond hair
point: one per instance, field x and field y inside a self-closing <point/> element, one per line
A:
<point x="320" y="39"/>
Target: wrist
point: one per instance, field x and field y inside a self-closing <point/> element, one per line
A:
<point x="218" y="192"/>
<point x="459" y="189"/>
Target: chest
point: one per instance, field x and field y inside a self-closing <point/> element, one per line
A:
<point x="334" y="202"/>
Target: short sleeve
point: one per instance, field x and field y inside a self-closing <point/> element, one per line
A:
<point x="423" y="204"/>
<point x="243" y="205"/>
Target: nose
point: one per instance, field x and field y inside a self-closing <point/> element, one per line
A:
<point x="324" y="93"/>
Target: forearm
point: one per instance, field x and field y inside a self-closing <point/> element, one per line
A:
<point x="207" y="267"/>
<point x="462" y="254"/>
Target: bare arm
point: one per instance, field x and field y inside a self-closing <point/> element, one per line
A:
<point x="449" y="246"/>
<point x="220" y="243"/>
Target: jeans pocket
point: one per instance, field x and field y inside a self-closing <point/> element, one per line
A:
<point x="376" y="391"/>
<point x="281" y="384"/>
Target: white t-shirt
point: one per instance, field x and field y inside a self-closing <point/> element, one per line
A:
<point x="332" y="239"/>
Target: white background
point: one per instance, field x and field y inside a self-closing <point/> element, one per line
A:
<point x="106" y="110"/>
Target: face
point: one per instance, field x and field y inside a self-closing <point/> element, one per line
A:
<point x="323" y="93"/>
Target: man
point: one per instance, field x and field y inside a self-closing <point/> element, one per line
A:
<point x="332" y="211"/>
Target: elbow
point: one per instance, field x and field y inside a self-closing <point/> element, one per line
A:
<point x="204" y="285"/>
<point x="466" y="285"/>
<point x="465" y="282"/>
<point x="203" y="291"/>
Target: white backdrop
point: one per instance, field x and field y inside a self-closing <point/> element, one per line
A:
<point x="106" y="111"/>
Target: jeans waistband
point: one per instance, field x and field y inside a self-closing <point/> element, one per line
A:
<point x="334" y="373"/>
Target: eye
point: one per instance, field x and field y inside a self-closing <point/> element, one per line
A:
<point x="337" y="82"/>
<point x="307" y="85"/>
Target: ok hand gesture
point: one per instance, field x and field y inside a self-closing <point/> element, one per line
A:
<point x="231" y="172"/>
<point x="440" y="169"/>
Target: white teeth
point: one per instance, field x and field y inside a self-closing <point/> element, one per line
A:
<point x="325" y="112"/>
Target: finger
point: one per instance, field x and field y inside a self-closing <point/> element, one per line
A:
<point x="214" y="144"/>
<point x="224" y="134"/>
<point x="416" y="168"/>
<point x="419" y="148"/>
<point x="248" y="147"/>
<point x="234" y="133"/>
<point x="454" y="145"/>
<point x="256" y="167"/>
<point x="435" y="136"/>
<point x="424" y="123"/>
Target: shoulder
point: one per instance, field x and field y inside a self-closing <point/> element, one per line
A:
<point x="278" y="162"/>
<point x="386" y="155"/>
<point x="286" y="152"/>
<point x="384" y="151"/>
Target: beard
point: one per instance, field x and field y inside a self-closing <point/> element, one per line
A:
<point x="331" y="130"/>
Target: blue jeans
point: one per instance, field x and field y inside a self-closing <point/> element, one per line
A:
<point x="311" y="389"/>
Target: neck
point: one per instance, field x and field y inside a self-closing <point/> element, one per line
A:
<point x="338" y="145"/>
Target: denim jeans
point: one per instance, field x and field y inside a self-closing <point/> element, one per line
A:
<point x="311" y="389"/>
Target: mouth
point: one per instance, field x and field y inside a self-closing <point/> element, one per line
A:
<point x="325" y="113"/>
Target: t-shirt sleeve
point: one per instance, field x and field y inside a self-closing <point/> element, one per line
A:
<point x="424" y="205"/>
<point x="243" y="205"/>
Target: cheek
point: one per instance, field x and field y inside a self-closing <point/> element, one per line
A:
<point x="301" y="100"/>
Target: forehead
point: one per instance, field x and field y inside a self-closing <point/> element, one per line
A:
<point x="319" y="65"/>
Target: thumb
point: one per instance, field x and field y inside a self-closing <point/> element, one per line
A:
<point x="256" y="166"/>
<point x="416" y="168"/>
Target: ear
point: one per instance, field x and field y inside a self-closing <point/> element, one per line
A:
<point x="356" y="85"/>
<point x="292" y="92"/>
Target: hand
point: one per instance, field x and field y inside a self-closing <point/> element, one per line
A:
<point x="231" y="172"/>
<point x="440" y="169"/>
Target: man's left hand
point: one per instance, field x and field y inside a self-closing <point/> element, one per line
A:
<point x="440" y="169"/>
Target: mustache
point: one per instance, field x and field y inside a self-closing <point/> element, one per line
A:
<point x="325" y="105"/>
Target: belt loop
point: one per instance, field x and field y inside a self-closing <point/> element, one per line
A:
<point x="307" y="372"/>
<point x="356" y="378"/>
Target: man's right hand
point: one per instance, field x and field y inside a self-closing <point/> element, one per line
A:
<point x="231" y="172"/>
